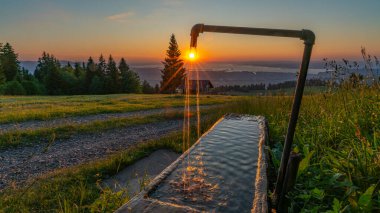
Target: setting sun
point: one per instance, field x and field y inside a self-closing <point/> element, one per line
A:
<point x="191" y="55"/>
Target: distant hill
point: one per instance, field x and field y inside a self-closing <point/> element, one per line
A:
<point x="218" y="78"/>
<point x="229" y="73"/>
<point x="29" y="65"/>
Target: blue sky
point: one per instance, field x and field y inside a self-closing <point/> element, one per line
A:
<point x="140" y="29"/>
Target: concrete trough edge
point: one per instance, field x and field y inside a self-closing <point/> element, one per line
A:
<point x="260" y="203"/>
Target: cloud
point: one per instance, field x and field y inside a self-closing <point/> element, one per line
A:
<point x="121" y="17"/>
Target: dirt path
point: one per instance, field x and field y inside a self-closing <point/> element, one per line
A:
<point x="32" y="125"/>
<point x="22" y="163"/>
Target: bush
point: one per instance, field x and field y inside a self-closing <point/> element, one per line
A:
<point x="13" y="88"/>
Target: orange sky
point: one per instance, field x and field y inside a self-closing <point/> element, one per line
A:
<point x="140" y="30"/>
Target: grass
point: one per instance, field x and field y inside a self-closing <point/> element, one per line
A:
<point x="48" y="135"/>
<point x="340" y="134"/>
<point x="338" y="137"/>
<point x="337" y="134"/>
<point x="23" y="108"/>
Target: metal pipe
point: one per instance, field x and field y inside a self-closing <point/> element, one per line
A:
<point x="293" y="119"/>
<point x="290" y="179"/>
<point x="309" y="38"/>
<point x="305" y="35"/>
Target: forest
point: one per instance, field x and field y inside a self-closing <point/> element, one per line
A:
<point x="53" y="78"/>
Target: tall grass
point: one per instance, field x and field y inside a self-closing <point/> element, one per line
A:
<point x="337" y="134"/>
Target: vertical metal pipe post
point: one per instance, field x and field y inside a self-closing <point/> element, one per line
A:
<point x="293" y="118"/>
<point x="289" y="179"/>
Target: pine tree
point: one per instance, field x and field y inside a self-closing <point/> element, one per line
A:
<point x="89" y="73"/>
<point x="101" y="73"/>
<point x="130" y="81"/>
<point x="124" y="69"/>
<point x="48" y="73"/>
<point x="174" y="72"/>
<point x="123" y="66"/>
<point x="101" y="67"/>
<point x="113" y="77"/>
<point x="9" y="62"/>
<point x="79" y="73"/>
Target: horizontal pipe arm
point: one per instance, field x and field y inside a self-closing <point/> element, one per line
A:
<point x="253" y="31"/>
<point x="306" y="35"/>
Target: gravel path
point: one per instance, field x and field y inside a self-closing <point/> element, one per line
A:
<point x="32" y="125"/>
<point x="19" y="164"/>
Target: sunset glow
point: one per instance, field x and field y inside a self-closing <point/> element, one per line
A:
<point x="138" y="30"/>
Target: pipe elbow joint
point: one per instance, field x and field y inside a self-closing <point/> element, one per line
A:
<point x="308" y="36"/>
<point x="195" y="30"/>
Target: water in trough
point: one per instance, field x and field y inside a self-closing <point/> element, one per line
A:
<point x="219" y="172"/>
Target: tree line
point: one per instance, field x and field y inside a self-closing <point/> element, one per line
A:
<point x="238" y="88"/>
<point x="261" y="86"/>
<point x="51" y="78"/>
<point x="292" y="84"/>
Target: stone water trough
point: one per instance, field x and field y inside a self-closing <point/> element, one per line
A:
<point x="224" y="171"/>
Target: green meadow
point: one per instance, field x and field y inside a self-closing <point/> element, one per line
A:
<point x="337" y="134"/>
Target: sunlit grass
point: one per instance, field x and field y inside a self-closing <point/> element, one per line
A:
<point x="21" y="108"/>
<point x="337" y="134"/>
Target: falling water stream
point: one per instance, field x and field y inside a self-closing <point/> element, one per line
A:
<point x="187" y="180"/>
